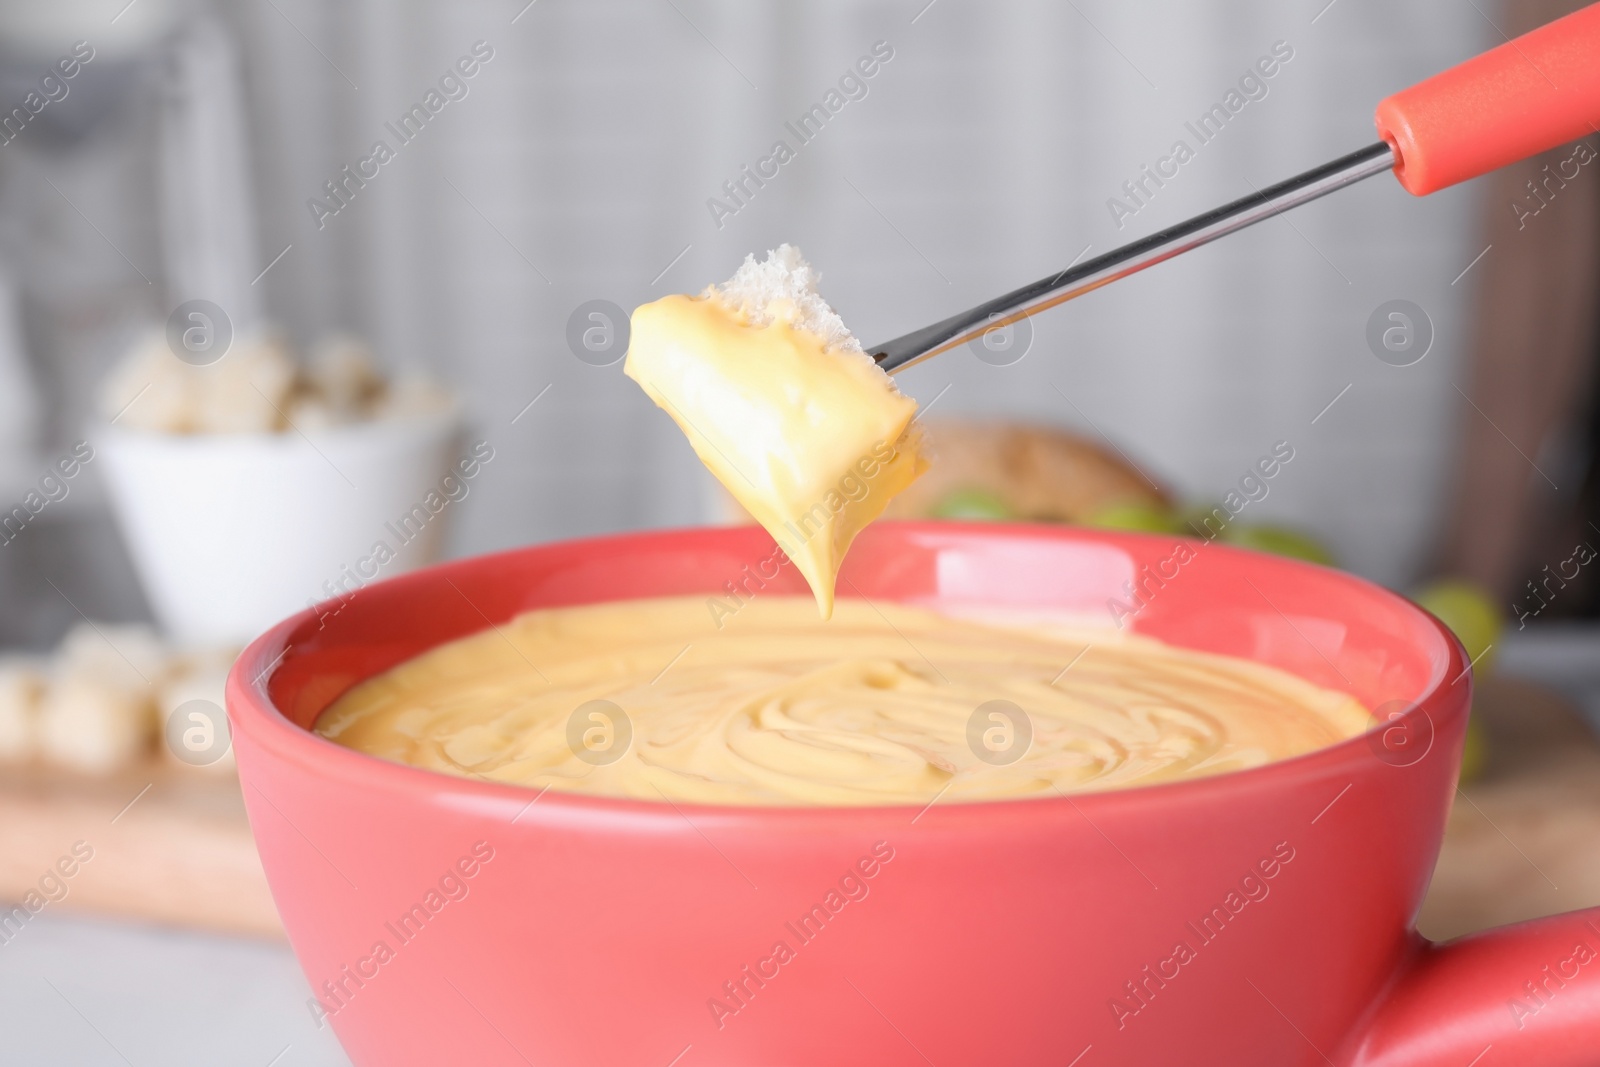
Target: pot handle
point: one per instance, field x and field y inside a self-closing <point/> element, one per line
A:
<point x="1528" y="992"/>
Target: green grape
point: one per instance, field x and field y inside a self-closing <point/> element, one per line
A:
<point x="1146" y="518"/>
<point x="1205" y="521"/>
<point x="1470" y="614"/>
<point x="972" y="504"/>
<point x="1474" y="752"/>
<point x="1280" y="541"/>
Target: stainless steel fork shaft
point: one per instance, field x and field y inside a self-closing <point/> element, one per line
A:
<point x="1136" y="256"/>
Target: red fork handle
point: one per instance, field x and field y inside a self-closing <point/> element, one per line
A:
<point x="1527" y="96"/>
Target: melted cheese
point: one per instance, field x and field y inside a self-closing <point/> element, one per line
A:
<point x="809" y="436"/>
<point x="885" y="704"/>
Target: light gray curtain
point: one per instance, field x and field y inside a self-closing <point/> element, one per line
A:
<point x="579" y="164"/>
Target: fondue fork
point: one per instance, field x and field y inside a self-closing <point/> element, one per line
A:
<point x="1522" y="98"/>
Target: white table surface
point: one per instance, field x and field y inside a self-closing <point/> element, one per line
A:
<point x="88" y="992"/>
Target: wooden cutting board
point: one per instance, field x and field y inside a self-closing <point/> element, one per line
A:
<point x="1524" y="840"/>
<point x="171" y="845"/>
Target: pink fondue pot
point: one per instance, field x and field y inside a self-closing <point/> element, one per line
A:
<point x="1263" y="917"/>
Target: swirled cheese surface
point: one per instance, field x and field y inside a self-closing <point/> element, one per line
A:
<point x="663" y="699"/>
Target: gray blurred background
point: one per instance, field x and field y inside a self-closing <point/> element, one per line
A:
<point x="579" y="165"/>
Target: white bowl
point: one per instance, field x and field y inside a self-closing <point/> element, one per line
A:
<point x="231" y="532"/>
